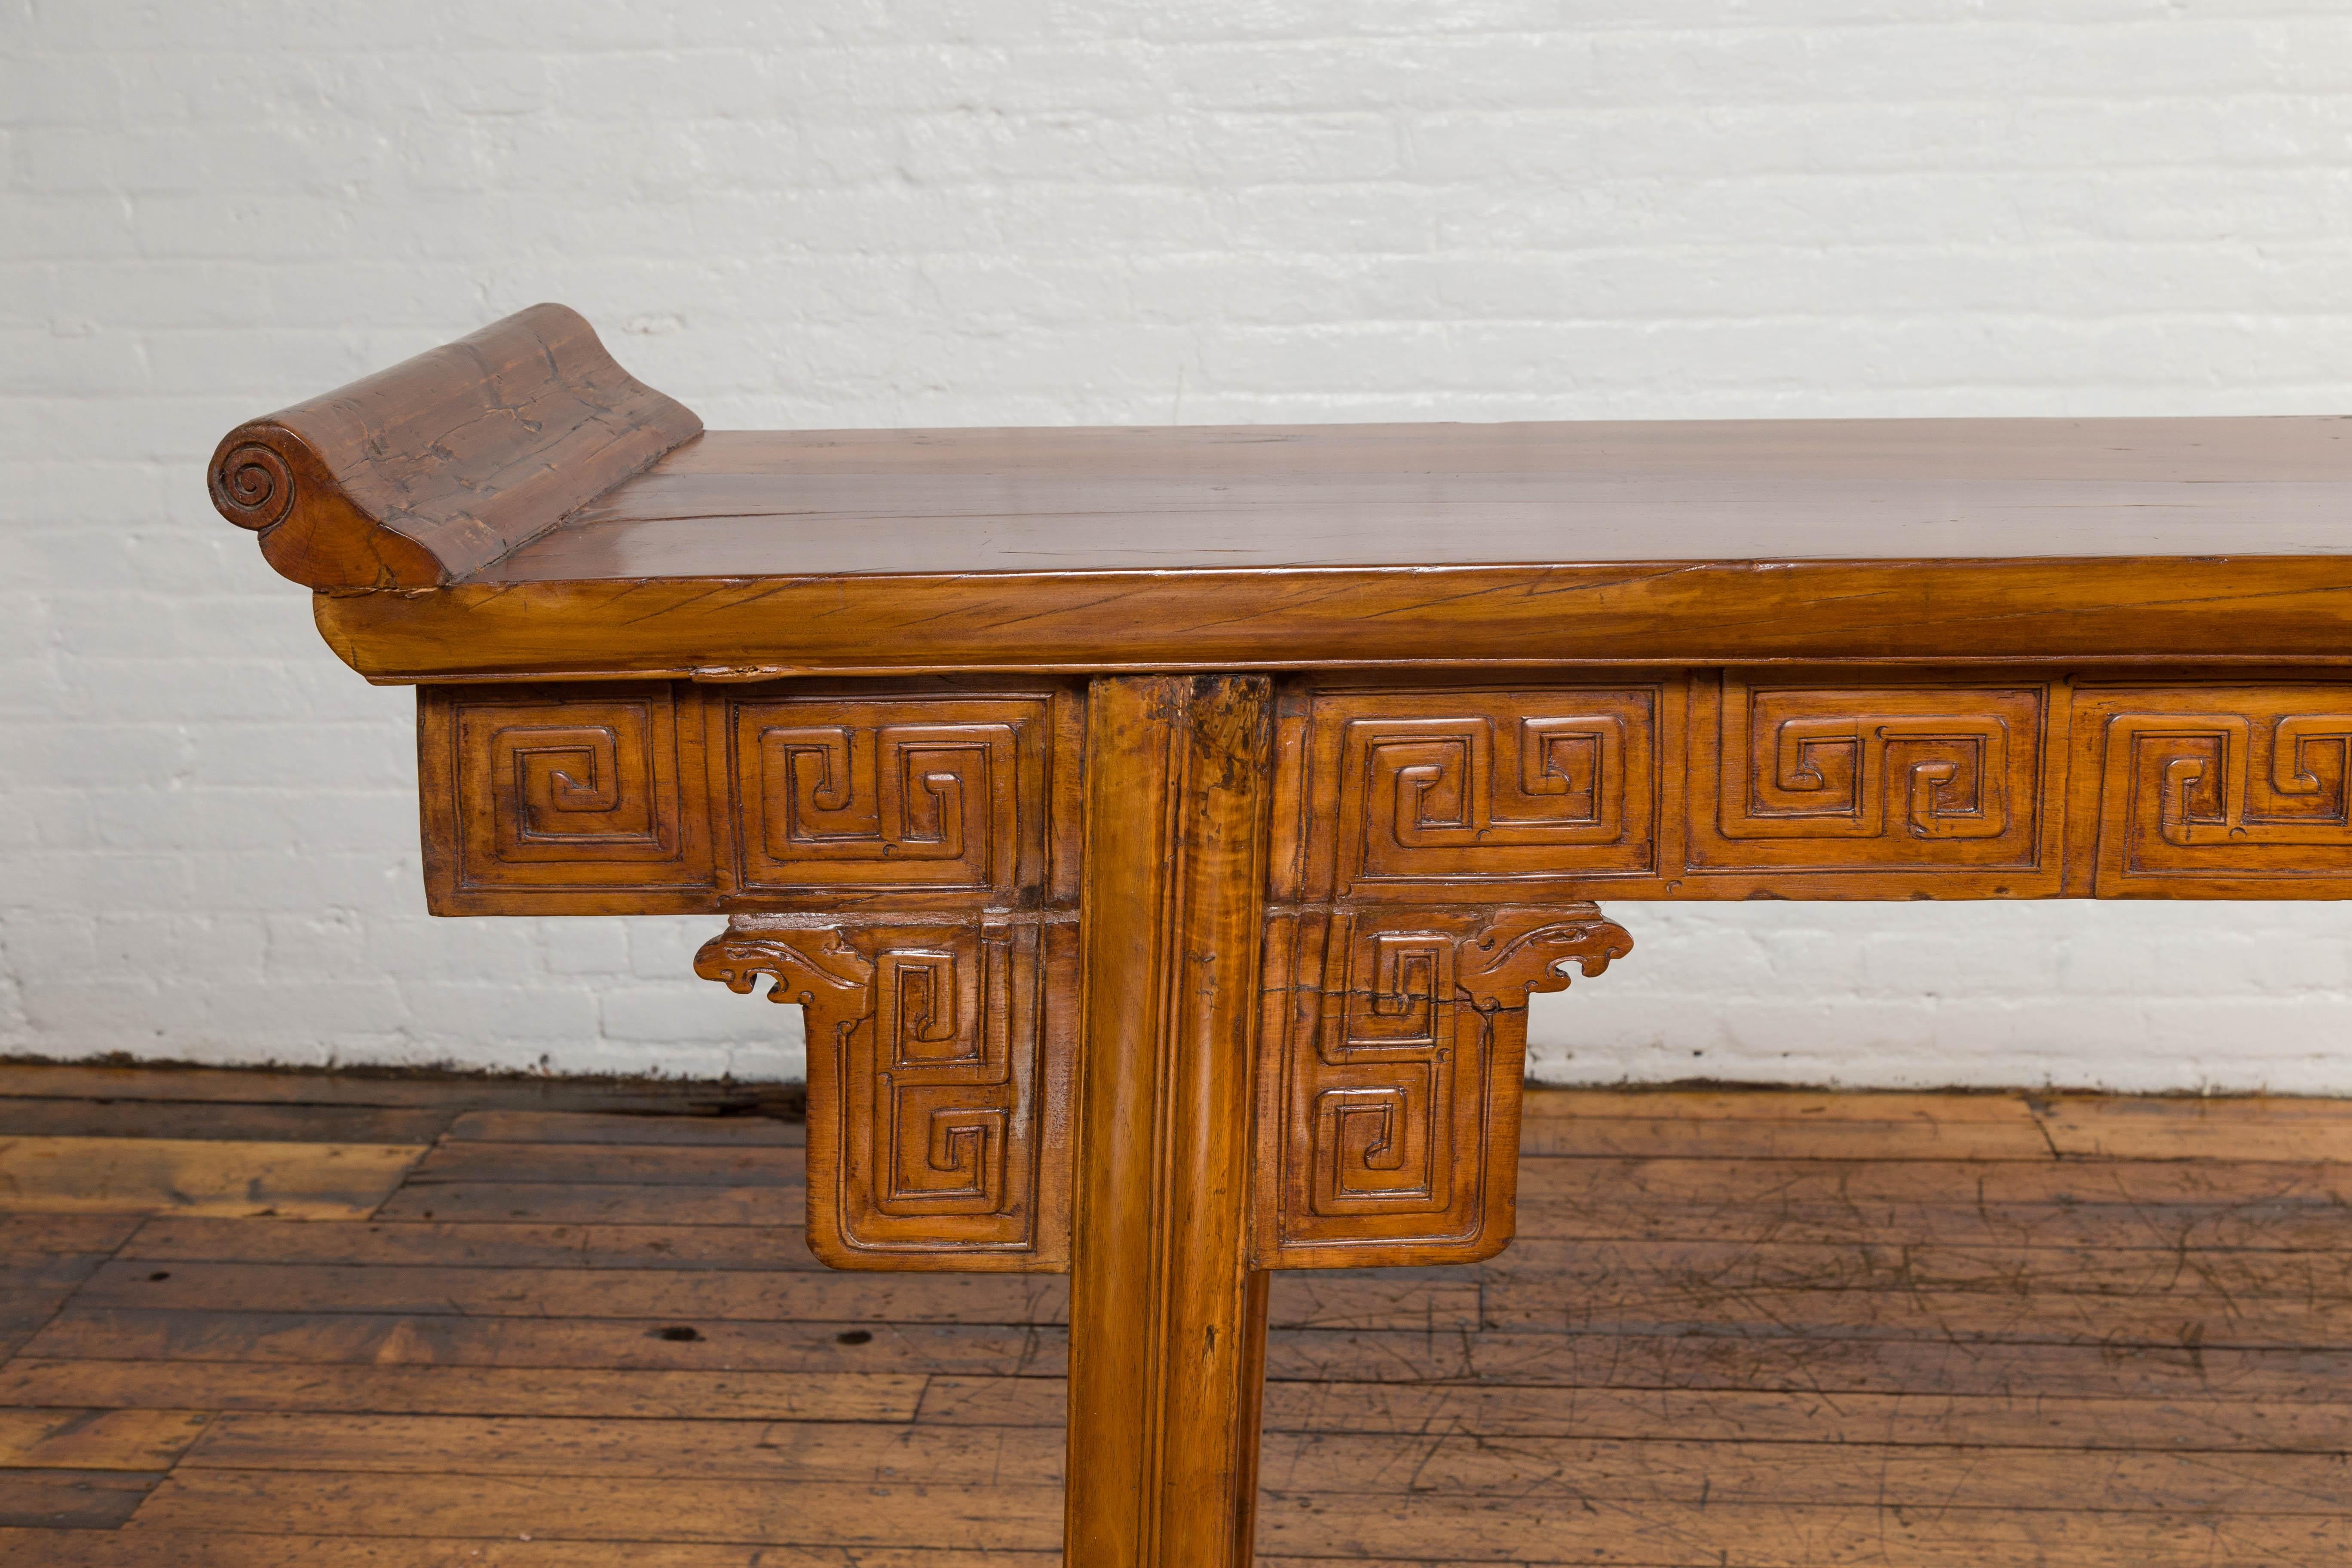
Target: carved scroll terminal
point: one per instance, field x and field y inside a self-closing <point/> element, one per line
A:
<point x="252" y="485"/>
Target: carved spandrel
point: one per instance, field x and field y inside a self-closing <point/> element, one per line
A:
<point x="917" y="794"/>
<point x="1444" y="788"/>
<point x="1391" y="1054"/>
<point x="1517" y="953"/>
<point x="812" y="967"/>
<point x="1914" y="777"/>
<point x="933" y="1069"/>
<point x="589" y="791"/>
<point x="2225" y="783"/>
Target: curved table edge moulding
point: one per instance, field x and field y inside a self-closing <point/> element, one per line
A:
<point x="1162" y="853"/>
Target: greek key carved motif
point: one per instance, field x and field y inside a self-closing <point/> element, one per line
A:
<point x="930" y="1070"/>
<point x="2225" y="782"/>
<point x="1491" y="786"/>
<point x="914" y="793"/>
<point x="592" y="786"/>
<point x="545" y="799"/>
<point x="940" y="1075"/>
<point x="1394" y="1045"/>
<point x="566" y="786"/>
<point x="1380" y="1138"/>
<point x="1914" y="776"/>
<point x="2235" y="780"/>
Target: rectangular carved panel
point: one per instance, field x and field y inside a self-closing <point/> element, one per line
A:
<point x="943" y="795"/>
<point x="1442" y="794"/>
<point x="606" y="798"/>
<point x="940" y="1063"/>
<point x="2223" y="791"/>
<point x="1390" y="1052"/>
<point x="534" y="787"/>
<point x="1916" y="779"/>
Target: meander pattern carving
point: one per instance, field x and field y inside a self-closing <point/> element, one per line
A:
<point x="723" y="799"/>
<point x="589" y="789"/>
<point x="1868" y="778"/>
<point x="929" y="1068"/>
<point x="1437" y="831"/>
<point x="2223" y="783"/>
<point x="1488" y="786"/>
<point x="1391" y="1050"/>
<point x="1381" y="1141"/>
<point x="906" y="794"/>
<point x="566" y="786"/>
<point x="936" y="1076"/>
<point x="1750" y="786"/>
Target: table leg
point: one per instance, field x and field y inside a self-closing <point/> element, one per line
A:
<point x="1167" y="1317"/>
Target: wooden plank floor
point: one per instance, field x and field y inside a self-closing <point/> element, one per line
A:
<point x="263" y="1320"/>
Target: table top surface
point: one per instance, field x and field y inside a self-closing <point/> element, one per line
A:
<point x="798" y="504"/>
<point x="515" y="504"/>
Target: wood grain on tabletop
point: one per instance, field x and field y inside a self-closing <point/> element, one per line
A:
<point x="1283" y="547"/>
<point x="1922" y="1370"/>
<point x="517" y="504"/>
<point x="755" y="503"/>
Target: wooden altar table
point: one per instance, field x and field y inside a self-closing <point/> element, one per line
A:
<point x="1163" y="829"/>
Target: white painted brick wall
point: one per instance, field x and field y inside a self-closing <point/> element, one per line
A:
<point x="1007" y="211"/>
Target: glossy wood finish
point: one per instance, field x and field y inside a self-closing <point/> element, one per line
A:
<point x="1290" y="547"/>
<point x="2219" y="789"/>
<point x="2250" y="610"/>
<point x="1166" y="1311"/>
<point x="942" y="1061"/>
<point x="745" y="503"/>
<point x="445" y="463"/>
<point x="895" y="798"/>
<point x="1391" y="1054"/>
<point x="1119" y="958"/>
<point x="890" y="797"/>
